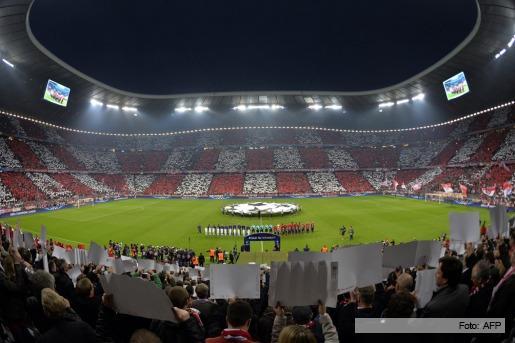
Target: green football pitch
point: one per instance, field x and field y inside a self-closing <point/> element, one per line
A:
<point x="174" y="222"/>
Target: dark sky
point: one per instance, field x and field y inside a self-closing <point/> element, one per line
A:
<point x="167" y="46"/>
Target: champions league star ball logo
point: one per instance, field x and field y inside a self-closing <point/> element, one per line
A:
<point x="263" y="208"/>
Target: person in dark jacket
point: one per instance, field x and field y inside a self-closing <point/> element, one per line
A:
<point x="85" y="302"/>
<point x="63" y="283"/>
<point x="481" y="291"/>
<point x="451" y="298"/>
<point x="210" y="312"/>
<point x="188" y="329"/>
<point x="39" y="280"/>
<point x="66" y="324"/>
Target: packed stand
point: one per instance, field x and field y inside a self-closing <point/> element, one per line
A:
<point x="341" y="159"/>
<point x="448" y="152"/>
<point x="420" y="156"/>
<point x="116" y="182"/>
<point x="489" y="146"/>
<point x="507" y="150"/>
<point x="18" y="129"/>
<point x="376" y="157"/>
<point x="7" y="158"/>
<point x="178" y="160"/>
<point x="467" y="150"/>
<point x="424" y="179"/>
<point x="21" y="187"/>
<point x="70" y="183"/>
<point x="260" y="159"/>
<point x="287" y="158"/>
<point x="379" y="180"/>
<point x="137" y="184"/>
<point x="93" y="184"/>
<point x="66" y="157"/>
<point x="292" y="183"/>
<point x="354" y="182"/>
<point x="49" y="186"/>
<point x="226" y="184"/>
<point x="96" y="160"/>
<point x="25" y="155"/>
<point x="6" y="198"/>
<point x="308" y="137"/>
<point x="231" y="160"/>
<point x="164" y="185"/>
<point x="314" y="158"/>
<point x="195" y="184"/>
<point x="324" y="183"/>
<point x="44" y="154"/>
<point x="259" y="183"/>
<point x="207" y="159"/>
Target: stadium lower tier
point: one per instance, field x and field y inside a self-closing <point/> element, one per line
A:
<point x="22" y="189"/>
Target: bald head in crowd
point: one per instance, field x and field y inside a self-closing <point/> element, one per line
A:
<point x="404" y="283"/>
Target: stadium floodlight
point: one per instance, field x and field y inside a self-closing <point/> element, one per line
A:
<point x="277" y="107"/>
<point x="95" y="102"/>
<point x="510" y="43"/>
<point x="200" y="109"/>
<point x="129" y="109"/>
<point x="315" y="107"/>
<point x="8" y="63"/>
<point x="386" y="104"/>
<point x="135" y="114"/>
<point x="418" y="97"/>
<point x="182" y="109"/>
<point x="258" y="107"/>
<point x="502" y="52"/>
<point x="113" y="107"/>
<point x="333" y="107"/>
<point x="240" y="108"/>
<point x="403" y="101"/>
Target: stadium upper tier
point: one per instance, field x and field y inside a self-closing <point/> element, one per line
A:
<point x="41" y="163"/>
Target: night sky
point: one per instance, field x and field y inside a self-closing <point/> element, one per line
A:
<point x="166" y="46"/>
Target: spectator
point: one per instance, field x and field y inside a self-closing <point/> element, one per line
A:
<point x="296" y="334"/>
<point x="209" y="311"/>
<point x="63" y="283"/>
<point x="85" y="302"/>
<point x="189" y="327"/>
<point x="238" y="318"/>
<point x="451" y="298"/>
<point x="66" y="324"/>
<point x="144" y="336"/>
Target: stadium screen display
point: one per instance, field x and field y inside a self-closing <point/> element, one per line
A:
<point x="56" y="93"/>
<point x="456" y="86"/>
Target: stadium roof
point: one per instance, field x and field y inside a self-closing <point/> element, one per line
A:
<point x="490" y="79"/>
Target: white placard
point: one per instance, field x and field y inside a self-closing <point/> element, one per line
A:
<point x="402" y="254"/>
<point x="358" y="266"/>
<point x="42" y="238"/>
<point x="464" y="226"/>
<point x="96" y="254"/>
<point x="234" y="280"/>
<point x="499" y="222"/>
<point x="73" y="273"/>
<point x="425" y="286"/>
<point x="28" y="240"/>
<point x="146" y="264"/>
<point x="137" y="297"/>
<point x="61" y="253"/>
<point x="308" y="256"/>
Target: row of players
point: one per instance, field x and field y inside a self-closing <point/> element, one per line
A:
<point x="242" y="230"/>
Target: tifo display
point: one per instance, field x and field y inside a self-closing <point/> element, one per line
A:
<point x="260" y="208"/>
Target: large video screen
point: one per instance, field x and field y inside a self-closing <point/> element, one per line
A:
<point x="456" y="86"/>
<point x="56" y="93"/>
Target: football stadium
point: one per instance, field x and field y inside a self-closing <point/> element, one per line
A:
<point x="299" y="172"/>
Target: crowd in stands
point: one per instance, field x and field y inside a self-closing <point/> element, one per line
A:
<point x="66" y="157"/>
<point x="421" y="155"/>
<point x="45" y="156"/>
<point x="260" y="159"/>
<point x="178" y="160"/>
<point x="164" y="185"/>
<point x="379" y="179"/>
<point x="341" y="159"/>
<point x="137" y="184"/>
<point x="507" y="150"/>
<point x="259" y="183"/>
<point x="231" y="160"/>
<point x="7" y="158"/>
<point x="476" y="281"/>
<point x="324" y="183"/>
<point x="308" y="137"/>
<point x="6" y="198"/>
<point x="287" y="158"/>
<point x="467" y="150"/>
<point x="489" y="146"/>
<point x="71" y="183"/>
<point x="226" y="184"/>
<point x="314" y="158"/>
<point x="207" y="159"/>
<point x="194" y="184"/>
<point x="25" y="155"/>
<point x="115" y="182"/>
<point x="354" y="182"/>
<point x="49" y="186"/>
<point x="93" y="184"/>
<point x="21" y="187"/>
<point x="292" y="183"/>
